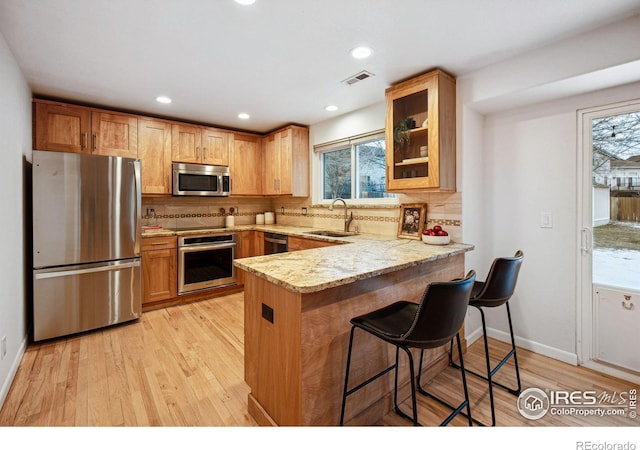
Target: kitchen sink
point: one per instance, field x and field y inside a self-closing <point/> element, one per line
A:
<point x="330" y="233"/>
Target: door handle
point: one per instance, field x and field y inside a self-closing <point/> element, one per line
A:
<point x="585" y="241"/>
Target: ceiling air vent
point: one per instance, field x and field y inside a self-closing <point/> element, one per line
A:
<point x="358" y="77"/>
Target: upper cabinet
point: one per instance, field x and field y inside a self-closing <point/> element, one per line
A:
<point x="245" y="165"/>
<point x="215" y="146"/>
<point x="420" y="133"/>
<point x="286" y="162"/>
<point x="63" y="128"/>
<point x="114" y="134"/>
<point x="200" y="145"/>
<point x="70" y="128"/>
<point x="154" y="151"/>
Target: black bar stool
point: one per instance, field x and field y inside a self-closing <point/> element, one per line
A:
<point x="431" y="323"/>
<point x="495" y="291"/>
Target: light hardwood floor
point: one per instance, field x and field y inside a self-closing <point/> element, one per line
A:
<point x="183" y="366"/>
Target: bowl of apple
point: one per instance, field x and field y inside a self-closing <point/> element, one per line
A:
<point x="435" y="236"/>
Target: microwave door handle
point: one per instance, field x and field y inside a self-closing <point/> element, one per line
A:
<point x="220" y="180"/>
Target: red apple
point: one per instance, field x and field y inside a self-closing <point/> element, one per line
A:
<point x="442" y="233"/>
<point x="437" y="228"/>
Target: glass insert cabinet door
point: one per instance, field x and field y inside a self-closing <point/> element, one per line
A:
<point x="420" y="133"/>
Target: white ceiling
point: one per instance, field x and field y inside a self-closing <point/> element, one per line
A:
<point x="281" y="61"/>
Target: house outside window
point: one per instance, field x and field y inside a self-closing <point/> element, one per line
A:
<point x="354" y="169"/>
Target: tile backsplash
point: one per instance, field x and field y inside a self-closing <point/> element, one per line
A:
<point x="443" y="209"/>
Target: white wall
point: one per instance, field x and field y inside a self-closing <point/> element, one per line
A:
<point x="15" y="146"/>
<point x="517" y="127"/>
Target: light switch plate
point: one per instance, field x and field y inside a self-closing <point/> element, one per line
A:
<point x="546" y="220"/>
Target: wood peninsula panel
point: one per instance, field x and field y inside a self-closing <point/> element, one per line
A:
<point x="272" y="349"/>
<point x="295" y="367"/>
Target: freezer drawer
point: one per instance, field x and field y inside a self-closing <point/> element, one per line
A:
<point x="84" y="297"/>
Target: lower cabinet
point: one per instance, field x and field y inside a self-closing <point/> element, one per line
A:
<point x="159" y="268"/>
<point x="244" y="249"/>
<point x="296" y="243"/>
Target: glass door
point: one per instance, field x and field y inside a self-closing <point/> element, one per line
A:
<point x="609" y="308"/>
<point x="411" y="136"/>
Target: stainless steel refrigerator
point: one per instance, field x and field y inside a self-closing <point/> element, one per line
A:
<point x="86" y="242"/>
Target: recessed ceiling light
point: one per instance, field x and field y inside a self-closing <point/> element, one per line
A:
<point x="245" y="2"/>
<point x="243" y="116"/>
<point x="331" y="108"/>
<point x="163" y="99"/>
<point x="361" y="52"/>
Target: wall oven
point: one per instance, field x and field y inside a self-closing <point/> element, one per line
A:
<point x="201" y="179"/>
<point x="206" y="261"/>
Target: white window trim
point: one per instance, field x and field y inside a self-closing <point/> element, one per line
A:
<point x="316" y="172"/>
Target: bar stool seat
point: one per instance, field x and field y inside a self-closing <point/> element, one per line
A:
<point x="429" y="324"/>
<point x="495" y="291"/>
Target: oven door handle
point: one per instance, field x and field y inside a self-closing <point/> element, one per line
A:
<point x="201" y="248"/>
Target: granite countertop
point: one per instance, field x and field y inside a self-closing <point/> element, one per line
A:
<point x="305" y="271"/>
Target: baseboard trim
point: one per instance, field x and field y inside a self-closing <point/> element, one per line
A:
<point x="14" y="369"/>
<point x="536" y="347"/>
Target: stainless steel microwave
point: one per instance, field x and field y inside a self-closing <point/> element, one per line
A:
<point x="201" y="179"/>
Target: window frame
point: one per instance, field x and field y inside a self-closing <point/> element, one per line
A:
<point x="347" y="143"/>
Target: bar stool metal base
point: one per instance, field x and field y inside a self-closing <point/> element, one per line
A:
<point x="414" y="417"/>
<point x="492" y="371"/>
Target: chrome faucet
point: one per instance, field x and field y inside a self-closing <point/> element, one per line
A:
<point x="347" y="220"/>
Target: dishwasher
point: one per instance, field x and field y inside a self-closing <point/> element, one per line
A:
<point x="275" y="243"/>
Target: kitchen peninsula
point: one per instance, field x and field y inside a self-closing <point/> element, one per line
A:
<point x="297" y="311"/>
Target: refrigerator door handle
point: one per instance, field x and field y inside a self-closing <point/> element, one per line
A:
<point x="68" y="273"/>
<point x="138" y="221"/>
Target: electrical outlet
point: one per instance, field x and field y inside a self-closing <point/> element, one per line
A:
<point x="3" y="347"/>
<point x="304" y="211"/>
<point x="234" y="210"/>
<point x="282" y="210"/>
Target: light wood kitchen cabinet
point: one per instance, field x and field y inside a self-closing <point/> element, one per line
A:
<point x="199" y="145"/>
<point x="185" y="143"/>
<point x="286" y="162"/>
<point x="72" y="128"/>
<point x="420" y="134"/>
<point x="114" y="134"/>
<point x="244" y="249"/>
<point x="246" y="165"/>
<point x="296" y="243"/>
<point x="258" y="243"/>
<point x="215" y="146"/>
<point x="159" y="268"/>
<point x="154" y="151"/>
<point x="61" y="127"/>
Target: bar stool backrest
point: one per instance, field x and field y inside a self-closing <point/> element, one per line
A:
<point x="440" y="313"/>
<point x="501" y="281"/>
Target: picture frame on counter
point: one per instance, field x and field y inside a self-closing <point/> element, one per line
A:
<point x="412" y="219"/>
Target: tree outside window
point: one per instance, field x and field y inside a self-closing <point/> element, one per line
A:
<point x="357" y="171"/>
